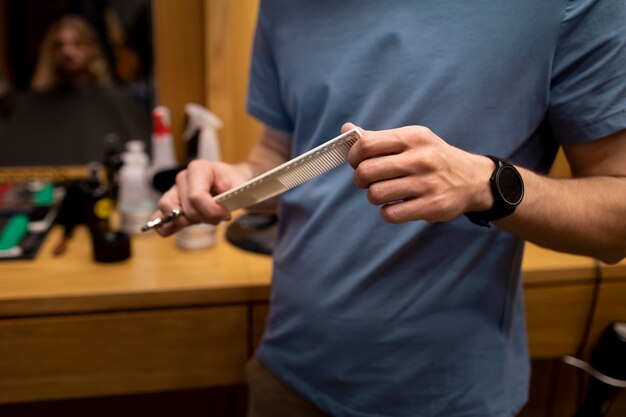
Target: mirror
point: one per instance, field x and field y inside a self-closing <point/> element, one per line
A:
<point x="74" y="74"/>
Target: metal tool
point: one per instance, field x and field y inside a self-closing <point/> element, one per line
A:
<point x="284" y="177"/>
<point x="160" y="221"/>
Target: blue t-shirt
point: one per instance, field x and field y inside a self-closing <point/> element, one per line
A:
<point x="418" y="319"/>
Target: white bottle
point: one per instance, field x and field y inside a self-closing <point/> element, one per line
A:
<point x="200" y="119"/>
<point x="135" y="199"/>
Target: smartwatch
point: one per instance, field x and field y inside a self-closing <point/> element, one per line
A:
<point x="507" y="188"/>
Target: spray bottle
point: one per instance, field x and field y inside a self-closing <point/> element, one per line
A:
<point x="206" y="124"/>
<point x="201" y="121"/>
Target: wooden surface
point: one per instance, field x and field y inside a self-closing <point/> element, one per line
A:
<point x="43" y="173"/>
<point x="559" y="289"/>
<point x="166" y="319"/>
<point x="169" y="319"/>
<point x="157" y="275"/>
<point x="160" y="274"/>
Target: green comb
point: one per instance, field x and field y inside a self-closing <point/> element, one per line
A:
<point x="13" y="232"/>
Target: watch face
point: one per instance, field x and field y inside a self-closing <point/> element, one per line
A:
<point x="510" y="185"/>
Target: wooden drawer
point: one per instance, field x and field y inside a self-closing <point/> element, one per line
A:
<point x="555" y="318"/>
<point x="121" y="353"/>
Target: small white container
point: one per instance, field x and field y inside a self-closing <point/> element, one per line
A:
<point x="196" y="236"/>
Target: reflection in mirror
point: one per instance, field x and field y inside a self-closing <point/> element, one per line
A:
<point x="72" y="73"/>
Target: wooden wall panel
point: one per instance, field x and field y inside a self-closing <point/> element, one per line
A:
<point x="180" y="64"/>
<point x="228" y="40"/>
<point x="202" y="51"/>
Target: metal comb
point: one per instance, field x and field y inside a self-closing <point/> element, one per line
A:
<point x="284" y="177"/>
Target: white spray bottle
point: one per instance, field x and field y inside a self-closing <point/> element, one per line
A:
<point x="201" y="120"/>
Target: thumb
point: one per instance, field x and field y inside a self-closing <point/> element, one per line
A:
<point x="348" y="126"/>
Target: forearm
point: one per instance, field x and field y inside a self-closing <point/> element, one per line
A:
<point x="271" y="151"/>
<point x="415" y="175"/>
<point x="584" y="216"/>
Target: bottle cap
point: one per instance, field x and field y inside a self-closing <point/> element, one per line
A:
<point x="161" y="121"/>
<point x="135" y="146"/>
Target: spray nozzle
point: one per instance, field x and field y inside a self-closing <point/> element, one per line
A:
<point x="198" y="118"/>
<point x="201" y="119"/>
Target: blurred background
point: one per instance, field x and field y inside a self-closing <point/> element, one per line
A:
<point x="71" y="72"/>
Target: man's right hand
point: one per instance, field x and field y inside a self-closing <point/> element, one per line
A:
<point x="196" y="185"/>
<point x="193" y="193"/>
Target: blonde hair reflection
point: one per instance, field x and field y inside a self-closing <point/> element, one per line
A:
<point x="46" y="75"/>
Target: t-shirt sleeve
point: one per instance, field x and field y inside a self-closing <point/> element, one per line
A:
<point x="264" y="93"/>
<point x="588" y="85"/>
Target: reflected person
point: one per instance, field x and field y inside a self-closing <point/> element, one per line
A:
<point x="72" y="104"/>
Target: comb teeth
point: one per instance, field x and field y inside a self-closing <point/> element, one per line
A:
<point x="290" y="174"/>
<point x="316" y="164"/>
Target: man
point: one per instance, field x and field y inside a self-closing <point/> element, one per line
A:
<point x="416" y="310"/>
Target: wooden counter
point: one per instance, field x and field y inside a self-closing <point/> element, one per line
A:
<point x="157" y="275"/>
<point x="168" y="319"/>
<point x="165" y="319"/>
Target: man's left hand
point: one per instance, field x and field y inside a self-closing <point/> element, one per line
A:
<point x="413" y="174"/>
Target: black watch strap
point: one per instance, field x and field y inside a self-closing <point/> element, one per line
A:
<point x="507" y="188"/>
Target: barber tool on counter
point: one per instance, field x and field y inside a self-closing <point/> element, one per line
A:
<point x="27" y="212"/>
<point x="90" y="202"/>
<point x="112" y="162"/>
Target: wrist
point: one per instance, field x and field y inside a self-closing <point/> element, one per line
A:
<point x="481" y="196"/>
<point x="245" y="170"/>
